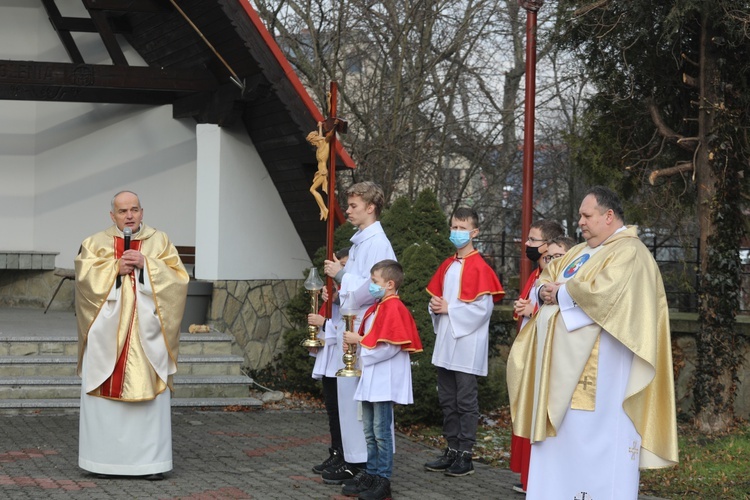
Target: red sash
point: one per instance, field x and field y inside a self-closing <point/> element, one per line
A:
<point x="112" y="387"/>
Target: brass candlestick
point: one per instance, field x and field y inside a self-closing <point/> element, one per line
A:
<point x="350" y="353"/>
<point x="313" y="285"/>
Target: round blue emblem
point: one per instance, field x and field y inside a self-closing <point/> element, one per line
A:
<point x="574" y="266"/>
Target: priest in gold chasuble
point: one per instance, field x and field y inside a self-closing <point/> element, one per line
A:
<point x="590" y="377"/>
<point x="129" y="306"/>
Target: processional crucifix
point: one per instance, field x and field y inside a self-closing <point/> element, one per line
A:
<point x="324" y="140"/>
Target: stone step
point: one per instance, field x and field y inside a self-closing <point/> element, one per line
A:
<point x="186" y="386"/>
<point x="67" y="345"/>
<point x="65" y="366"/>
<point x="11" y="406"/>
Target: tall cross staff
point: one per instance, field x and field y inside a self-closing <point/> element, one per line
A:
<point x="331" y="123"/>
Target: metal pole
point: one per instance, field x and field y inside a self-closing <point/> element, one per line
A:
<point x="331" y="195"/>
<point x="528" y="129"/>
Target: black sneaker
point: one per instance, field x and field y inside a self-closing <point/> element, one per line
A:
<point x="361" y="482"/>
<point x="340" y="474"/>
<point x="462" y="466"/>
<point x="334" y="460"/>
<point x="443" y="462"/>
<point x="379" y="490"/>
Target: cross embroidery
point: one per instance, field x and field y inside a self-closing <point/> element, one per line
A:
<point x="583" y="496"/>
<point x="633" y="450"/>
<point x="586" y="382"/>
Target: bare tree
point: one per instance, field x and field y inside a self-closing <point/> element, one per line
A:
<point x="431" y="89"/>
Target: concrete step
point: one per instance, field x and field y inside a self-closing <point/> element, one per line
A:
<point x="186" y="386"/>
<point x="67" y="345"/>
<point x="11" y="406"/>
<point x="65" y="366"/>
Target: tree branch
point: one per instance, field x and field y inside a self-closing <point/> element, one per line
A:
<point x="687" y="143"/>
<point x="685" y="166"/>
<point x="588" y="8"/>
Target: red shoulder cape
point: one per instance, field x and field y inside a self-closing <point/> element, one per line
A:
<point x="477" y="278"/>
<point x="393" y="324"/>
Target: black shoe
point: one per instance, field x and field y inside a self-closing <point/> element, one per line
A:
<point x="334" y="460"/>
<point x="379" y="490"/>
<point x="361" y="482"/>
<point x="443" y="462"/>
<point x="340" y="474"/>
<point x="154" y="477"/>
<point x="462" y="466"/>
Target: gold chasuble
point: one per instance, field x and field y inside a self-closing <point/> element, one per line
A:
<point x="619" y="286"/>
<point x="129" y="327"/>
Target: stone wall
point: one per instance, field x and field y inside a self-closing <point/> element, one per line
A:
<point x="683" y="327"/>
<point x="34" y="289"/>
<point x="254" y="312"/>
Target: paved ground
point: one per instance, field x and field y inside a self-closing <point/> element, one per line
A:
<point x="262" y="454"/>
<point x="259" y="454"/>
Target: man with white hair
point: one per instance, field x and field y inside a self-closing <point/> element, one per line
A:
<point x="131" y="289"/>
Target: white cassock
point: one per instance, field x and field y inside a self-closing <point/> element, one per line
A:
<point x="608" y="470"/>
<point x="329" y="358"/>
<point x="386" y="375"/>
<point x="120" y="437"/>
<point x="462" y="342"/>
<point x="369" y="246"/>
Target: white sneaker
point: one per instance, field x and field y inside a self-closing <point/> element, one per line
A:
<point x="518" y="488"/>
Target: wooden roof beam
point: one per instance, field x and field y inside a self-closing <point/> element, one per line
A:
<point x="128" y="5"/>
<point x="108" y="37"/>
<point x="105" y="76"/>
<point x="64" y="34"/>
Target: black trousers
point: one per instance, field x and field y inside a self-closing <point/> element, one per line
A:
<point x="331" y="399"/>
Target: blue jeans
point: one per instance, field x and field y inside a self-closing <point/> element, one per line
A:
<point x="377" y="419"/>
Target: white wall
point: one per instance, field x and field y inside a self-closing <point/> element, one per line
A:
<point x="18" y="21"/>
<point x="244" y="231"/>
<point x="61" y="163"/>
<point x="87" y="152"/>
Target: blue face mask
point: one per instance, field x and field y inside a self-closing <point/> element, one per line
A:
<point x="460" y="238"/>
<point x="376" y="291"/>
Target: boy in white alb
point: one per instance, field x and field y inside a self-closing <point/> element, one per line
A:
<point x="370" y="245"/>
<point x="387" y="335"/>
<point x="327" y="363"/>
<point x="464" y="290"/>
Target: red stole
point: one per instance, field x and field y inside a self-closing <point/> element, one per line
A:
<point x="112" y="387"/>
<point x="527" y="289"/>
<point x="393" y="324"/>
<point x="477" y="278"/>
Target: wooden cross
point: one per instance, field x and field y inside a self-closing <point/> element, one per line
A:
<point x="340" y="125"/>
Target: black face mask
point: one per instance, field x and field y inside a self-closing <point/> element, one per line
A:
<point x="533" y="253"/>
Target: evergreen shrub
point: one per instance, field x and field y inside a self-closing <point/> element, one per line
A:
<point x="419" y="234"/>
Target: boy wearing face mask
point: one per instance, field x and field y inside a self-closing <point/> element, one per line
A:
<point x="387" y="335"/>
<point x="464" y="290"/>
<point x="541" y="235"/>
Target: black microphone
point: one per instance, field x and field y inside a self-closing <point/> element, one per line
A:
<point x="126" y="233"/>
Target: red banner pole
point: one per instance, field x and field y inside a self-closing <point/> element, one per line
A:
<point x="528" y="133"/>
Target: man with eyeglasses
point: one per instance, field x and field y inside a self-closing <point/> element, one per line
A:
<point x="537" y="245"/>
<point x="590" y="376"/>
